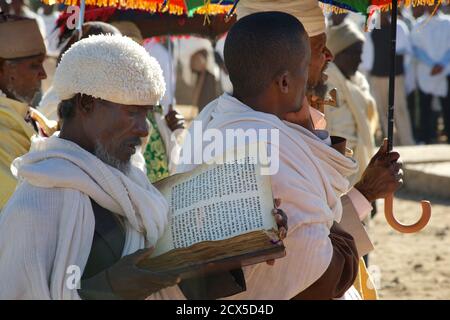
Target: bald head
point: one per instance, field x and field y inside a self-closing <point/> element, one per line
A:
<point x="261" y="46"/>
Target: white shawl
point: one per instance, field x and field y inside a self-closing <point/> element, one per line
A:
<point x="48" y="224"/>
<point x="355" y="118"/>
<point x="310" y="180"/>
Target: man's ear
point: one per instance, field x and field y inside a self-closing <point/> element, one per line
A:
<point x="283" y="82"/>
<point x="85" y="103"/>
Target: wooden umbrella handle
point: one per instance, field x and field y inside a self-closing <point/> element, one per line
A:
<point x="395" y="224"/>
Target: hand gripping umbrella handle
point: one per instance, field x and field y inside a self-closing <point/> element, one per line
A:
<point x="395" y="224"/>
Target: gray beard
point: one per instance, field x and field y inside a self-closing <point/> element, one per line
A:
<point x="19" y="97"/>
<point x="101" y="153"/>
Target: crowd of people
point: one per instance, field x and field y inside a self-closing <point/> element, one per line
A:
<point x="77" y="160"/>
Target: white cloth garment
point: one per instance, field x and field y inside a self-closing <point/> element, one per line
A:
<point x="355" y="118"/>
<point x="310" y="181"/>
<point x="48" y="224"/>
<point x="162" y="55"/>
<point x="171" y="139"/>
<point x="51" y="32"/>
<point x="431" y="35"/>
<point x="403" y="46"/>
<point x="186" y="49"/>
<point x="49" y="104"/>
<point x="225" y="82"/>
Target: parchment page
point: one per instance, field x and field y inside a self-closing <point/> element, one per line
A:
<point x="216" y="202"/>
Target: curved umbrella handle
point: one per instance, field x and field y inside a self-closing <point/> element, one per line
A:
<point x="395" y="224"/>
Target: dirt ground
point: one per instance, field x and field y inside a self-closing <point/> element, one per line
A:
<point x="412" y="266"/>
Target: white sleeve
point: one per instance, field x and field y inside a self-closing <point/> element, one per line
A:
<point x="28" y="241"/>
<point x="403" y="41"/>
<point x="367" y="56"/>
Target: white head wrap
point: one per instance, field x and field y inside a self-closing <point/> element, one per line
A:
<point x="343" y="36"/>
<point x="187" y="48"/>
<point x="112" y="68"/>
<point x="307" y="11"/>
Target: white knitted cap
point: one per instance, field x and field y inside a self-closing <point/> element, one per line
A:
<point x="112" y="68"/>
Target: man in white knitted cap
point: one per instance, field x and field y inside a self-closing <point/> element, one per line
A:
<point x="83" y="212"/>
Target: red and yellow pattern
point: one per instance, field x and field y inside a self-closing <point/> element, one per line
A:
<point x="177" y="7"/>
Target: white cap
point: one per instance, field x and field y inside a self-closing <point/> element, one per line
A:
<point x="110" y="67"/>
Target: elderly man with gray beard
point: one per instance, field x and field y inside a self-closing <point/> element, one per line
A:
<point x="81" y="206"/>
<point x="22" y="52"/>
<point x="84" y="214"/>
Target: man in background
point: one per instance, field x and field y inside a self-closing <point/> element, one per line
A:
<point x="431" y="46"/>
<point x="21" y="73"/>
<point x="355" y="117"/>
<point x="376" y="55"/>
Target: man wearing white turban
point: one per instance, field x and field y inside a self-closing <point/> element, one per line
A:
<point x="377" y="181"/>
<point x="311" y="16"/>
<point x="264" y="66"/>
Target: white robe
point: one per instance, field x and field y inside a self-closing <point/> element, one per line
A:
<point x="48" y="224"/>
<point x="310" y="181"/>
<point x="432" y="35"/>
<point x="355" y="118"/>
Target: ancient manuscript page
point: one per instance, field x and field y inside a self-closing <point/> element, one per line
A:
<point x="216" y="202"/>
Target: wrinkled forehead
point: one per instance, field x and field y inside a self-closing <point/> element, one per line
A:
<point x="116" y="105"/>
<point x="318" y="42"/>
<point x="26" y="60"/>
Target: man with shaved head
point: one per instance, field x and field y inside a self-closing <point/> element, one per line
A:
<point x="267" y="55"/>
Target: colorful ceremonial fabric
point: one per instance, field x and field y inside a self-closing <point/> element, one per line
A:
<point x="155" y="154"/>
<point x="366" y="6"/>
<point x="179" y="7"/>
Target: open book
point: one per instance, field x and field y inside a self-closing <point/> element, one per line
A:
<point x="220" y="218"/>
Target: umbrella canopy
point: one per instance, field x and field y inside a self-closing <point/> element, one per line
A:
<point x="154" y="24"/>
<point x="178" y="7"/>
<point x="366" y="6"/>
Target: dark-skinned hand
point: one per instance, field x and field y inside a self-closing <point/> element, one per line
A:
<point x="436" y="69"/>
<point x="383" y="175"/>
<point x="130" y="282"/>
<point x="282" y="223"/>
<point x="174" y="119"/>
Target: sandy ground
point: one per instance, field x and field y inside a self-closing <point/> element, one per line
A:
<point x="412" y="266"/>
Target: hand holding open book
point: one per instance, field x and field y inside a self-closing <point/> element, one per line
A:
<point x="221" y="218"/>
